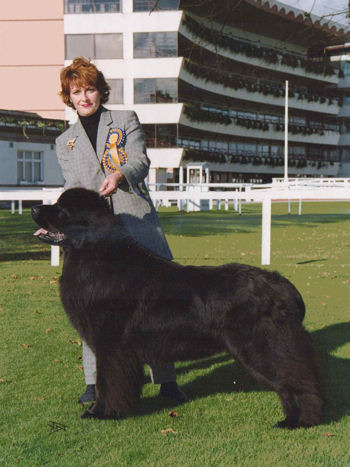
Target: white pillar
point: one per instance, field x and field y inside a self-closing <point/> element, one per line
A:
<point x="289" y="206"/>
<point x="180" y="202"/>
<point x="55" y="256"/>
<point x="127" y="6"/>
<point x="181" y="177"/>
<point x="286" y="134"/>
<point x="13" y="207"/>
<point x="207" y="177"/>
<point x="266" y="232"/>
<point x="20" y="206"/>
<point x="299" y="207"/>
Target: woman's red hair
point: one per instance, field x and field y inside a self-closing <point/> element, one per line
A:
<point x="82" y="73"/>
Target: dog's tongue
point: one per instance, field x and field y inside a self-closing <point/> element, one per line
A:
<point x="40" y="231"/>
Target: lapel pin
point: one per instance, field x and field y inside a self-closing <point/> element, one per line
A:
<point x="71" y="143"/>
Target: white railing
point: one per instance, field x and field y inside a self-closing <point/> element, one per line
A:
<point x="190" y="196"/>
<point x="46" y="195"/>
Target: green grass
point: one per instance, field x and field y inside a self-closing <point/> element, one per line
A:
<point x="229" y="420"/>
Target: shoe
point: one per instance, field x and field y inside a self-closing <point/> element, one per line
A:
<point x="173" y="391"/>
<point x="89" y="395"/>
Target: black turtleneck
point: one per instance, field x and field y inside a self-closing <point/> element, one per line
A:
<point x="90" y="125"/>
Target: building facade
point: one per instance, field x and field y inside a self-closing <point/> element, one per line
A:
<point x="27" y="150"/>
<point x="207" y="80"/>
<point x="31" y="56"/>
<point x="341" y="55"/>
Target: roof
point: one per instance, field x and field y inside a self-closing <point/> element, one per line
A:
<point x="324" y="19"/>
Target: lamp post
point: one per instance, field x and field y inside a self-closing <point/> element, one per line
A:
<point x="286" y="134"/>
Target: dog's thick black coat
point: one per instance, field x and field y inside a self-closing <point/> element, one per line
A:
<point x="133" y="307"/>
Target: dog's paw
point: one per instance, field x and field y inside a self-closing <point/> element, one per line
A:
<point x="289" y="424"/>
<point x="100" y="416"/>
<point x="89" y="414"/>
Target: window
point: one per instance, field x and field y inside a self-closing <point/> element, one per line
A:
<point x="108" y="46"/>
<point x="155" y="44"/>
<point x="91" y="6"/>
<point x="160" y="136"/>
<point x="297" y="151"/>
<point x="149" y="5"/>
<point x="153" y="90"/>
<point x="29" y="167"/>
<point x="100" y="46"/>
<point x="116" y="95"/>
<point x="345" y="66"/>
<point x="79" y="45"/>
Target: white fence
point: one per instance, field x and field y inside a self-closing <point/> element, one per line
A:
<point x="191" y="196"/>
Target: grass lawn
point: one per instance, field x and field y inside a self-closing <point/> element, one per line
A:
<point x="229" y="419"/>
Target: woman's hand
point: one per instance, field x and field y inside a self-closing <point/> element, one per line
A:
<point x="111" y="183"/>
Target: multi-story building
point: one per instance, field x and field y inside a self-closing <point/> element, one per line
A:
<point x="207" y="80"/>
<point x="341" y="54"/>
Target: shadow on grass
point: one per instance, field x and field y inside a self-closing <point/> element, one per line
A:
<point x="312" y="261"/>
<point x="231" y="377"/>
<point x="25" y="256"/>
<point x="218" y="223"/>
<point x="335" y="371"/>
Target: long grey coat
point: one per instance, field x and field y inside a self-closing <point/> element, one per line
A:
<point x="82" y="167"/>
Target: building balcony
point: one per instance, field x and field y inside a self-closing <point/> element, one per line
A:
<point x="327" y="138"/>
<point x="258" y="97"/>
<point x="344" y="83"/>
<point x="310" y="170"/>
<point x="344" y="140"/>
<point x="344" y="111"/>
<point x="279" y="64"/>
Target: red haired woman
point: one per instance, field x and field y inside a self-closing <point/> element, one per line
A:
<point x="105" y="151"/>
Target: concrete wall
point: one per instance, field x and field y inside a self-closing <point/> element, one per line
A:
<point x="31" y="56"/>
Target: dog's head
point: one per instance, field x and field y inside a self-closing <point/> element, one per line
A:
<point x="68" y="221"/>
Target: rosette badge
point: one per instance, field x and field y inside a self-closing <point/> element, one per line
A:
<point x="114" y="155"/>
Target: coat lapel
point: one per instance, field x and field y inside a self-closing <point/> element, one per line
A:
<point x="83" y="145"/>
<point x="102" y="133"/>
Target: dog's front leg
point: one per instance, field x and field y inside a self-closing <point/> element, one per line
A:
<point x="118" y="384"/>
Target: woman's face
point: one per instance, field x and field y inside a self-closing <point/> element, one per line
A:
<point x="86" y="99"/>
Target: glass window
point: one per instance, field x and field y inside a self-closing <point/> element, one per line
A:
<point x="29" y="167"/>
<point x="100" y="46"/>
<point x="150" y="135"/>
<point x="91" y="6"/>
<point x="166" y="135"/>
<point x="346" y="155"/>
<point x="79" y="45"/>
<point x="144" y="90"/>
<point x="345" y="66"/>
<point x="108" y="46"/>
<point x="149" y="5"/>
<point x="155" y="44"/>
<point x="116" y="95"/>
<point x="152" y="90"/>
<point x="160" y="136"/>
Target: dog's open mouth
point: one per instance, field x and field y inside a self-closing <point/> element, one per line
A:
<point x="52" y="238"/>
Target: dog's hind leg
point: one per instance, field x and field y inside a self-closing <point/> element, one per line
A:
<point x="118" y="385"/>
<point x="283" y="359"/>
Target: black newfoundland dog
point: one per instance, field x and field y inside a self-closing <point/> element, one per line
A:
<point x="133" y="307"/>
